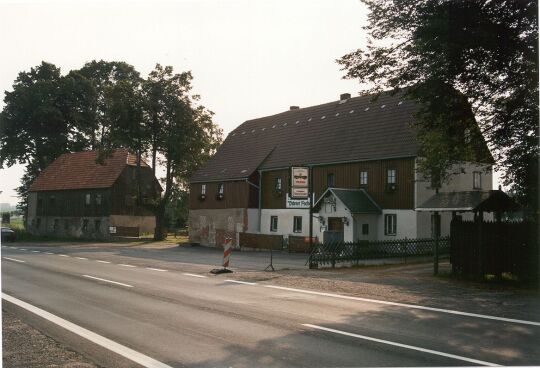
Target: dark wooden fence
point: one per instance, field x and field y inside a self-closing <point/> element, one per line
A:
<point x="494" y="248"/>
<point x="349" y="252"/>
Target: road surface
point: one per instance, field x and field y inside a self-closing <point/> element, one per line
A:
<point x="132" y="315"/>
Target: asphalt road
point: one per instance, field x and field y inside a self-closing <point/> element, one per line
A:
<point x="183" y="319"/>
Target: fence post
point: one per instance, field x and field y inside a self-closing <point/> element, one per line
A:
<point x="436" y="219"/>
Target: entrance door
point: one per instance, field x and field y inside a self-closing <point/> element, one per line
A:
<point x="335" y="230"/>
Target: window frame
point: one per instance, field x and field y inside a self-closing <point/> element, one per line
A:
<point x="98" y="199"/>
<point x="388" y="176"/>
<point x="272" y="227"/>
<point x="87" y="199"/>
<point x="297" y="220"/>
<point x="365" y="229"/>
<point x="221" y="189"/>
<point x="330" y="180"/>
<point x="390" y="224"/>
<point x="278" y="185"/>
<point x="203" y="189"/>
<point x="362" y="177"/>
<point x="477" y="174"/>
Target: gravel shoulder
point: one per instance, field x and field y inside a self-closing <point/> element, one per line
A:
<point x="25" y="347"/>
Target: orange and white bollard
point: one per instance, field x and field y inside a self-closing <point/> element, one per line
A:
<point x="227" y="250"/>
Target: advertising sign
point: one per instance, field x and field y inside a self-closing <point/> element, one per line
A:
<point x="299" y="177"/>
<point x="299" y="192"/>
<point x="297" y="203"/>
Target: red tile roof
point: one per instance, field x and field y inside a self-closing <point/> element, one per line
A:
<point x="79" y="170"/>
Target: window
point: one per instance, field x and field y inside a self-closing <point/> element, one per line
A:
<point x="39" y="203"/>
<point x="55" y="226"/>
<point x="85" y="225"/>
<point x="273" y="223"/>
<point x="87" y="199"/>
<point x="66" y="225"/>
<point x="203" y="189"/>
<point x="365" y="229"/>
<point x="38" y="225"/>
<point x="391" y="176"/>
<point x="363" y="177"/>
<point x="98" y="199"/>
<point x="297" y="224"/>
<point x="390" y="224"/>
<point x="97" y="224"/>
<point x="278" y="185"/>
<point x="221" y="188"/>
<point x="477" y="180"/>
<point x="330" y="180"/>
<point x="52" y="199"/>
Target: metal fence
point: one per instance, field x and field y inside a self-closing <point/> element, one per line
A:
<point x="354" y="252"/>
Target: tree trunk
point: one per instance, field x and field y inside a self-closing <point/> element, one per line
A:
<point x="160" y="232"/>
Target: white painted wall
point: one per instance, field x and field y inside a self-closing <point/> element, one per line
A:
<point x="340" y="210"/>
<point x="372" y="221"/>
<point x="285" y="222"/>
<point x="253" y="220"/>
<point x="406" y="225"/>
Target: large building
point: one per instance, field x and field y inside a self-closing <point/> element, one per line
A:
<point x="364" y="157"/>
<point x="77" y="196"/>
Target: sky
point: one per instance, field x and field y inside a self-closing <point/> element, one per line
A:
<point x="249" y="58"/>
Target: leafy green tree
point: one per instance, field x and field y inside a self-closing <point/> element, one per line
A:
<point x="451" y="54"/>
<point x="41" y="119"/>
<point x="182" y="133"/>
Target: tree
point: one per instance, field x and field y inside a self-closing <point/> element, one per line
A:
<point x="42" y="119"/>
<point x="182" y="134"/>
<point x="448" y="55"/>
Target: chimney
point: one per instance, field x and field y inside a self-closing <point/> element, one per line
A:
<point x="294" y="107"/>
<point x="344" y="96"/>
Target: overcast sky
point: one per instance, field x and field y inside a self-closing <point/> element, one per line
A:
<point x="249" y="58"/>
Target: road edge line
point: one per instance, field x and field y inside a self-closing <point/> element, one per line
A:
<point x="102" y="341"/>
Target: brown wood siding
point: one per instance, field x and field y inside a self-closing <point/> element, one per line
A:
<point x="271" y="198"/>
<point x="348" y="176"/>
<point x="235" y="195"/>
<point x="124" y="193"/>
<point x="71" y="203"/>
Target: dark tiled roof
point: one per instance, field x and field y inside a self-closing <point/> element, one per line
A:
<point x="79" y="170"/>
<point x="358" y="129"/>
<point x="357" y="201"/>
<point x="486" y="200"/>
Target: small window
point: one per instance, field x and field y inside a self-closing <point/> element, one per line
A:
<point x="477" y="180"/>
<point x="85" y="225"/>
<point x="221" y="188"/>
<point x="97" y="224"/>
<point x="330" y="182"/>
<point x="203" y="189"/>
<point x="363" y="177"/>
<point x="273" y="223"/>
<point x="391" y="176"/>
<point x="52" y="200"/>
<point x="278" y="185"/>
<point x="365" y="229"/>
<point x="38" y="224"/>
<point x="297" y="224"/>
<point x="39" y="203"/>
<point x="87" y="199"/>
<point x="390" y="224"/>
<point x="98" y="199"/>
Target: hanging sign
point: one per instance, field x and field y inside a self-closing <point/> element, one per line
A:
<point x="299" y="182"/>
<point x="297" y="203"/>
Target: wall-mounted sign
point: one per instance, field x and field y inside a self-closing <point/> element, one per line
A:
<point x="299" y="182"/>
<point x="299" y="177"/>
<point x="112" y="229"/>
<point x="297" y="203"/>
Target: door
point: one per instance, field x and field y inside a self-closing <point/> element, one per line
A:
<point x="335" y="230"/>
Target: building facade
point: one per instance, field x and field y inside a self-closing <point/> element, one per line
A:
<point x="76" y="196"/>
<point x="363" y="157"/>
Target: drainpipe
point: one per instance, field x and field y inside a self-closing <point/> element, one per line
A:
<point x="260" y="199"/>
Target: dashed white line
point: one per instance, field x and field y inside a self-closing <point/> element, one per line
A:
<point x="105" y="280"/>
<point x="429" y="351"/>
<point x="102" y="261"/>
<point x="111" y="345"/>
<point x="35" y="251"/>
<point x="63" y="255"/>
<point x="193" y="275"/>
<point x="81" y="258"/>
<point x="126" y="265"/>
<point x="13" y="259"/>
<point x="241" y="282"/>
<point x="23" y="249"/>
<point x="49" y="253"/>
<point x="412" y="306"/>
<point x="156" y="269"/>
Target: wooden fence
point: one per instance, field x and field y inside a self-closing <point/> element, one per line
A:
<point x="349" y="252"/>
<point x="494" y="248"/>
<point x="261" y="241"/>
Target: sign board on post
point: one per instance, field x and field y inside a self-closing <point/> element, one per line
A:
<point x="299" y="182"/>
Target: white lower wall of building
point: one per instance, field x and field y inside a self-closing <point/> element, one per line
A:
<point x="286" y="222"/>
<point x="253" y="220"/>
<point x="406" y="224"/>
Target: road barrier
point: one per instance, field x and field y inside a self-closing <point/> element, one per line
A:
<point x="227" y="249"/>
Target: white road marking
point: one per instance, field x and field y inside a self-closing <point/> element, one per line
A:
<point x="126" y="265"/>
<point x="111" y="345"/>
<point x="49" y="253"/>
<point x="103" y="261"/>
<point x="22" y="249"/>
<point x="35" y="251"/>
<point x="105" y="280"/>
<point x="13" y="259"/>
<point x="241" y="282"/>
<point x="435" y="352"/>
<point x="156" y="269"/>
<point x="413" y="306"/>
<point x="193" y="275"/>
<point x="81" y="258"/>
<point x="63" y="255"/>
